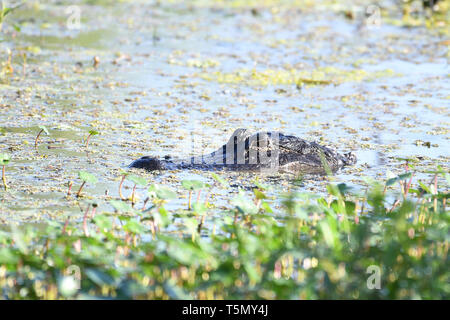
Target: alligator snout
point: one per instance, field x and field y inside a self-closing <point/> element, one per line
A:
<point x="148" y="163"/>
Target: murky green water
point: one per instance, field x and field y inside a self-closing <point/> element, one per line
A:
<point x="172" y="72"/>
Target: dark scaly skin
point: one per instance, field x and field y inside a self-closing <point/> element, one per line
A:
<point x="260" y="151"/>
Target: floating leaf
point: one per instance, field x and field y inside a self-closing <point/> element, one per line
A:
<point x="136" y="180"/>
<point x="161" y="192"/>
<point x="87" y="177"/>
<point x="121" y="206"/>
<point x="192" y="184"/>
<point x="44" y="129"/>
<point x="4" y="159"/>
<point x="93" y="132"/>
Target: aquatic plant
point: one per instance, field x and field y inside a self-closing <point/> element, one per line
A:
<point x="91" y="133"/>
<point x="313" y="248"/>
<point x="43" y="129"/>
<point x="192" y="185"/>
<point x="69" y="188"/>
<point x="124" y="175"/>
<point x="4" y="160"/>
<point x="85" y="177"/>
<point x="4" y="11"/>
<point x="137" y="181"/>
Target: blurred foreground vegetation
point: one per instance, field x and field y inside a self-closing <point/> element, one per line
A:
<point x="317" y="247"/>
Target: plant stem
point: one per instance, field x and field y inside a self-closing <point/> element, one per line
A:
<point x="4" y="177"/>
<point x="436" y="193"/>
<point x="24" y="64"/>
<point x="87" y="140"/>
<point x="132" y="194"/>
<point x="65" y="226"/>
<point x="189" y="202"/>
<point x="70" y="188"/>
<point x="94" y="210"/>
<point x="145" y="203"/>
<point x="120" y="188"/>
<point x="85" y="228"/>
<point x="202" y="221"/>
<point x="81" y="187"/>
<point x="37" y="138"/>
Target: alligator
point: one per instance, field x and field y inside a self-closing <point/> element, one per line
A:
<point x="265" y="151"/>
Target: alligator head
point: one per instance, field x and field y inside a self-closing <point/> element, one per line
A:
<point x="147" y="163"/>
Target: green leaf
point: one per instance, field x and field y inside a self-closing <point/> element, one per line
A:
<point x="343" y="188"/>
<point x="134" y="226"/>
<point x="219" y="179"/>
<point x="244" y="205"/>
<point x="161" y="217"/>
<point x="161" y="192"/>
<point x="103" y="222"/>
<point x="252" y="272"/>
<point x="100" y="278"/>
<point x="175" y="292"/>
<point x="44" y="128"/>
<point x="199" y="208"/>
<point x="424" y="187"/>
<point x="87" y="177"/>
<point x="93" y="132"/>
<point x="334" y="190"/>
<point x="266" y="207"/>
<point x="6" y="11"/>
<point x="329" y="231"/>
<point x="259" y="194"/>
<point x="136" y="180"/>
<point x="349" y="207"/>
<point x="415" y="191"/>
<point x="400" y="177"/>
<point x="4" y="158"/>
<point x="8" y="256"/>
<point x="191" y="224"/>
<point x="121" y="206"/>
<point x="447" y="177"/>
<point x="192" y="184"/>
